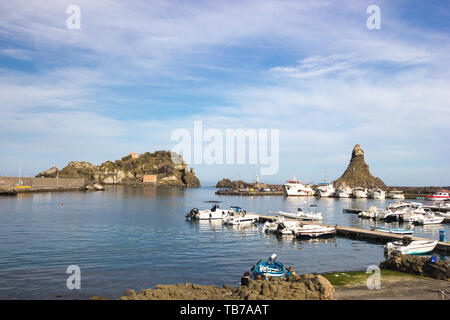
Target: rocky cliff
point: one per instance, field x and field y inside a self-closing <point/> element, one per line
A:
<point x="358" y="174"/>
<point x="131" y="170"/>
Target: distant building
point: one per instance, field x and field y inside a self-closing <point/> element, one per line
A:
<point x="134" y="155"/>
<point x="149" y="178"/>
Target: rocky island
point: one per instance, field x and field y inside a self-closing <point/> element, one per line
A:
<point x="158" y="168"/>
<point x="358" y="174"/>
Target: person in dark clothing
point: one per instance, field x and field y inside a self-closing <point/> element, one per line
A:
<point x="245" y="279"/>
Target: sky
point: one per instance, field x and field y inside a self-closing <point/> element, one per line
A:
<point x="136" y="71"/>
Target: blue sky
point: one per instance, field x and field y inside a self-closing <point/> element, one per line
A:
<point x="138" y="70"/>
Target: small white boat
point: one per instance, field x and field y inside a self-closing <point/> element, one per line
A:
<point x="359" y="192"/>
<point x="214" y="213"/>
<point x="392" y="230"/>
<point x="280" y="227"/>
<point x="237" y="217"/>
<point x="377" y="194"/>
<point x="396" y="194"/>
<point x="344" y="192"/>
<point x="313" y="231"/>
<point x="301" y="215"/>
<point x="407" y="246"/>
<point x="428" y="218"/>
<point x="372" y="213"/>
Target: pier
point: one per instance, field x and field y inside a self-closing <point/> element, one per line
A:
<point x="363" y="234"/>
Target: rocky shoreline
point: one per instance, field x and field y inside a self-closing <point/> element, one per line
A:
<point x="419" y="272"/>
<point x="299" y="287"/>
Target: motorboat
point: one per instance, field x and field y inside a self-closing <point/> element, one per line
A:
<point x="408" y="246"/>
<point x="428" y="218"/>
<point x="214" y="213"/>
<point x="237" y="216"/>
<point x="440" y="195"/>
<point x="301" y="215"/>
<point x="392" y="230"/>
<point x="344" y="192"/>
<point x="314" y="231"/>
<point x="372" y="213"/>
<point x="402" y="212"/>
<point x="326" y="190"/>
<point x="359" y="192"/>
<point x="280" y="227"/>
<point x="377" y="194"/>
<point x="396" y="194"/>
<point x="270" y="268"/>
<point x="297" y="188"/>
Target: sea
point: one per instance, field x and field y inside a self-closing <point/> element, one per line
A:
<point x="137" y="237"/>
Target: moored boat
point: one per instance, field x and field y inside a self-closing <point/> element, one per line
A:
<point x="300" y="214"/>
<point x="359" y="192"/>
<point x="408" y="246"/>
<point x="214" y="213"/>
<point x="440" y="195"/>
<point x="326" y="190"/>
<point x="377" y="194"/>
<point x="344" y="192"/>
<point x="237" y="216"/>
<point x="396" y="194"/>
<point x="314" y="231"/>
<point x="269" y="268"/>
<point x="297" y="188"/>
<point x="392" y="230"/>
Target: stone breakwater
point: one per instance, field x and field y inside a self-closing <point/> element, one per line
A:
<point x="299" y="287"/>
<point x="417" y="265"/>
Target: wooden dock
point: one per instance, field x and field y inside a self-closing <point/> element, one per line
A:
<point x="368" y="235"/>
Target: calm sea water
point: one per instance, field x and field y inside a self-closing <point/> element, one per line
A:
<point x="134" y="238"/>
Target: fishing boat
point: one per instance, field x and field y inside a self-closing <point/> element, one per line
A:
<point x="392" y="230"/>
<point x="359" y="192"/>
<point x="237" y="216"/>
<point x="314" y="231"/>
<point x="214" y="213"/>
<point x="301" y="215"/>
<point x="377" y="194"/>
<point x="270" y="268"/>
<point x="396" y="194"/>
<point x="440" y="195"/>
<point x="297" y="188"/>
<point x="344" y="192"/>
<point x="408" y="246"/>
<point x="326" y="190"/>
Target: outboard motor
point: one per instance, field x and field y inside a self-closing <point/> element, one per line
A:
<point x="192" y="213"/>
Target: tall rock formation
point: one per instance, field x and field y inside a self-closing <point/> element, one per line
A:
<point x="358" y="174"/>
<point x="131" y="170"/>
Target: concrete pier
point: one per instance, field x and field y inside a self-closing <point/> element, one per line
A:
<point x="369" y="235"/>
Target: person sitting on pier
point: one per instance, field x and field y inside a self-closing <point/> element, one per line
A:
<point x="289" y="272"/>
<point x="245" y="279"/>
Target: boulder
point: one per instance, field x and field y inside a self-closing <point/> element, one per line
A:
<point x="224" y="183"/>
<point x="418" y="265"/>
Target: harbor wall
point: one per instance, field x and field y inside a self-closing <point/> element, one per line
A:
<point x="41" y="184"/>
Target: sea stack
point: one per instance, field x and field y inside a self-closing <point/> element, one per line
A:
<point x="358" y="174"/>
